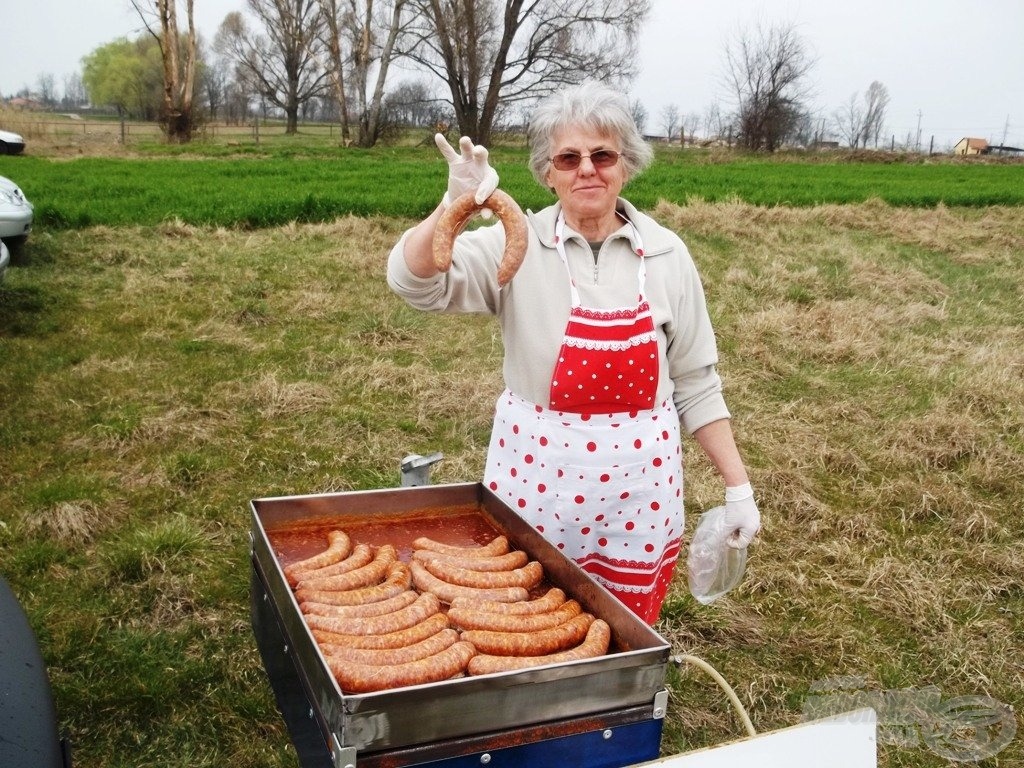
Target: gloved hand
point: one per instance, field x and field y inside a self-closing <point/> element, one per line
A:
<point x="468" y="172"/>
<point x="741" y="516"/>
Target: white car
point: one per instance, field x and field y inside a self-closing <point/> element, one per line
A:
<point x="15" y="213"/>
<point x="11" y="143"/>
<point x="5" y="259"/>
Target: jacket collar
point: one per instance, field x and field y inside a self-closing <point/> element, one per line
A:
<point x="656" y="239"/>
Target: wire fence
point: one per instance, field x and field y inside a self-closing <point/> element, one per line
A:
<point x="77" y="131"/>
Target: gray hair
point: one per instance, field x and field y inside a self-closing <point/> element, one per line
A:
<point x="592" y="105"/>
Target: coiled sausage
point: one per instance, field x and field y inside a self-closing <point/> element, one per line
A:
<point x="362" y="554"/>
<point x="425" y="581"/>
<point x="367" y="678"/>
<point x="546" y="603"/>
<point x="517" y="558"/>
<point x="389" y="605"/>
<point x="388" y="656"/>
<point x="399" y="579"/>
<point x="458" y="214"/>
<point x="370" y="574"/>
<point x="468" y="618"/>
<point x="496" y="546"/>
<point x="338" y="547"/>
<point x="559" y="638"/>
<point x="595" y="644"/>
<point x="424" y="606"/>
<point x="528" y="576"/>
<point x="399" y="639"/>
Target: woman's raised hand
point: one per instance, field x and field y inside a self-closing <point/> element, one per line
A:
<point x="469" y="171"/>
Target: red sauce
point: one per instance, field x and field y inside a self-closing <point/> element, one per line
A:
<point x="458" y="526"/>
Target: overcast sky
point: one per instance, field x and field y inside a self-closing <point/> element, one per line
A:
<point x="952" y="68"/>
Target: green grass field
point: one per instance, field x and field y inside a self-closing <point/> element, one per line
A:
<point x="266" y="186"/>
<point x="185" y="332"/>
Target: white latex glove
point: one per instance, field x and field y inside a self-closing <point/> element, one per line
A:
<point x="742" y="519"/>
<point x="468" y="172"/>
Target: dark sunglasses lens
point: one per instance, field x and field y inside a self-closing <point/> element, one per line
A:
<point x="604" y="158"/>
<point x="567" y="161"/>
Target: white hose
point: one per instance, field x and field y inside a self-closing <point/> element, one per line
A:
<point x="699" y="662"/>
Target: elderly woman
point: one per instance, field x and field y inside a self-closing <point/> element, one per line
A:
<point x="609" y="350"/>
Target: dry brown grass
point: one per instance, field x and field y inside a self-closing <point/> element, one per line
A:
<point x="871" y="356"/>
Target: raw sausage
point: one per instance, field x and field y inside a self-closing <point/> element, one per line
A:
<point x="528" y="576"/>
<point x="425" y="605"/>
<point x="366" y="678"/>
<point x="399" y="639"/>
<point x="433" y="644"/>
<point x="390" y="605"/>
<point x="546" y="603"/>
<point x="468" y="618"/>
<point x="496" y="546"/>
<point x="595" y="644"/>
<point x="559" y="638"/>
<point x="368" y="575"/>
<point x="517" y="558"/>
<point x="361" y="555"/>
<point x="338" y="547"/>
<point x="425" y="581"/>
<point x="399" y="579"/>
<point x="458" y="214"/>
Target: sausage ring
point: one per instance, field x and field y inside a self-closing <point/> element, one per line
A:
<point x="458" y="214"/>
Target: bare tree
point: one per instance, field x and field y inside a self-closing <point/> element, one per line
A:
<point x="688" y="127"/>
<point x="498" y="54"/>
<point x="74" y="91"/>
<point x="213" y="82"/>
<point x="716" y="122"/>
<point x="283" y="62"/>
<point x="849" y="121"/>
<point x="46" y="89"/>
<point x="336" y="67"/>
<point x="876" y="103"/>
<point x="639" y="112"/>
<point x="670" y="120"/>
<point x="179" y="64"/>
<point x="859" y="121"/>
<point x="766" y="69"/>
<point x="412" y="103"/>
<point x="362" y="34"/>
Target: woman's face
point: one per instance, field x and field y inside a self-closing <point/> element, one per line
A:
<point x="586" y="193"/>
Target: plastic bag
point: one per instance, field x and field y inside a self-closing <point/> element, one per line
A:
<point x="713" y="567"/>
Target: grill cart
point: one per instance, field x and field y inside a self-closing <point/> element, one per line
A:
<point x="604" y="712"/>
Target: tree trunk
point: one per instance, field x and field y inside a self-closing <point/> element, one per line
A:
<point x="179" y="76"/>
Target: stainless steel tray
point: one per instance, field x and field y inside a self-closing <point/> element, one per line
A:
<point x="633" y="675"/>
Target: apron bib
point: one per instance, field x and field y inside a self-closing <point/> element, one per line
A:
<point x="602" y="477"/>
<point x="608" y="361"/>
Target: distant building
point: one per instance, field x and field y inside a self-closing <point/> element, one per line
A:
<point x="24" y="103"/>
<point x="968" y="146"/>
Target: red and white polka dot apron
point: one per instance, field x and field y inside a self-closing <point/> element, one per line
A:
<point x="600" y="473"/>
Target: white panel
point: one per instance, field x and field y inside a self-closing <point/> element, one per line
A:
<point x="843" y="741"/>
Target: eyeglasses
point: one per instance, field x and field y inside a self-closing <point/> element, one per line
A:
<point x="570" y="161"/>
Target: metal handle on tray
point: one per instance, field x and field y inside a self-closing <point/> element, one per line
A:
<point x="416" y="469"/>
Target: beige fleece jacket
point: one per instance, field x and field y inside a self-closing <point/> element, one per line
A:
<point x="533" y="308"/>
